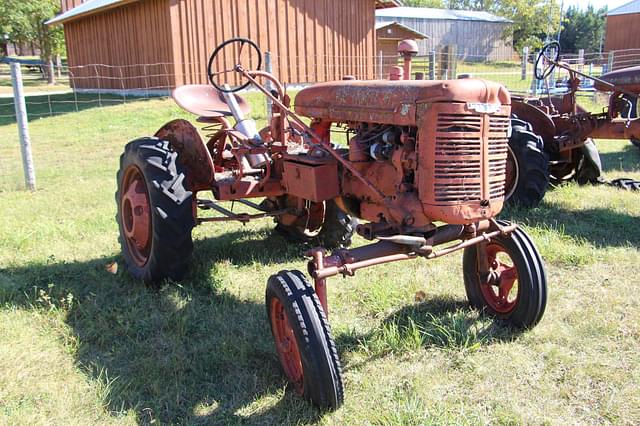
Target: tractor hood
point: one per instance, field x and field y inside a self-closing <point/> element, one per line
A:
<point x="393" y="102"/>
<point x="626" y="78"/>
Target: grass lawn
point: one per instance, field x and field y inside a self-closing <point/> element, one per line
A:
<point x="79" y="345"/>
<point x="32" y="81"/>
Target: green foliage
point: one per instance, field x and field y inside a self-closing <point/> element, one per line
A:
<point x="23" y="21"/>
<point x="582" y="29"/>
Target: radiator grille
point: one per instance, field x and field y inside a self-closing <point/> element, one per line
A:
<point x="459" y="153"/>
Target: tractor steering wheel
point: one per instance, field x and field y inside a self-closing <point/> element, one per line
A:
<point x="549" y="56"/>
<point x="232" y="56"/>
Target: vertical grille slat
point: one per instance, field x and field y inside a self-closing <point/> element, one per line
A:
<point x="459" y="151"/>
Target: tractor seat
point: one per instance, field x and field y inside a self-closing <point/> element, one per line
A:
<point x="205" y="101"/>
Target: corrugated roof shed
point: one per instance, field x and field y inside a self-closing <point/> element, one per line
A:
<point x="440" y="14"/>
<point x="631" y="7"/>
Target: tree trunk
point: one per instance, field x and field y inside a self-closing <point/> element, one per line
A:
<point x="51" y="76"/>
<point x="59" y="65"/>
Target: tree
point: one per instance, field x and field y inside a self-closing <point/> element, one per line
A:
<point x="582" y="29"/>
<point x="24" y="22"/>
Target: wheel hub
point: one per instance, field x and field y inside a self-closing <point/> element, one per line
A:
<point x="498" y="291"/>
<point x="136" y="215"/>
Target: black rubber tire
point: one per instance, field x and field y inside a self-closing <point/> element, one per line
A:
<point x="635" y="142"/>
<point x="532" y="165"/>
<point x="532" y="280"/>
<point x="337" y="229"/>
<point x="322" y="372"/>
<point x="171" y="211"/>
<point x="626" y="183"/>
<point x="589" y="168"/>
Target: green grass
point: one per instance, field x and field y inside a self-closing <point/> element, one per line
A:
<point x="79" y="345"/>
<point x="32" y="80"/>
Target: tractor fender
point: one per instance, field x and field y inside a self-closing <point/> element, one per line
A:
<point x="184" y="138"/>
<point x="541" y="123"/>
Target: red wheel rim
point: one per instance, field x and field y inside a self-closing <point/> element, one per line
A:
<point x="311" y="222"/>
<point x="502" y="293"/>
<point x="308" y="223"/>
<point x="286" y="345"/>
<point x="512" y="174"/>
<point x="135" y="215"/>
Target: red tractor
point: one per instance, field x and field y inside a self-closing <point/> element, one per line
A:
<point x="424" y="167"/>
<point x="552" y="136"/>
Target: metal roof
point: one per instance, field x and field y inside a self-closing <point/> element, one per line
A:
<point x="440" y="14"/>
<point x="90" y="7"/>
<point x="631" y="7"/>
<point x="381" y="25"/>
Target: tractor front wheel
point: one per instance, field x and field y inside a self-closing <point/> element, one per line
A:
<point x="515" y="290"/>
<point x="303" y="339"/>
<point x="155" y="211"/>
<point x="527" y="166"/>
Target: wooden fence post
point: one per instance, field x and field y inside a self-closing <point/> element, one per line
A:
<point x="523" y="65"/>
<point x="432" y="65"/>
<point x="610" y="62"/>
<point x="23" y="126"/>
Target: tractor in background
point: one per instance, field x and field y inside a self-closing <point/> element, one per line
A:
<point x="552" y="137"/>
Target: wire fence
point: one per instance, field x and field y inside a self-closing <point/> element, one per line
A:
<point x="97" y="86"/>
<point x="102" y="85"/>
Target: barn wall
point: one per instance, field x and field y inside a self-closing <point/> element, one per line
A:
<point x="623" y="32"/>
<point x="128" y="47"/>
<point x="311" y="40"/>
<point x="476" y="40"/>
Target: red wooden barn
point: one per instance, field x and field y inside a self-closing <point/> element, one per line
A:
<point x="156" y="44"/>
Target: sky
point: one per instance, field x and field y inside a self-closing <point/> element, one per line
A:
<point x="612" y="4"/>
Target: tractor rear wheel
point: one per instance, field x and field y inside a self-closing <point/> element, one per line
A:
<point x="527" y="166"/>
<point x="155" y="211"/>
<point x="303" y="339"/>
<point x="516" y="289"/>
<point x="323" y="223"/>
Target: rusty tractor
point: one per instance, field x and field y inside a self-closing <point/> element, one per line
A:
<point x="552" y="137"/>
<point x="423" y="165"/>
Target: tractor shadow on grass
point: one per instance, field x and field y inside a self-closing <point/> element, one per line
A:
<point x="187" y="353"/>
<point x="438" y="322"/>
<point x="601" y="227"/>
<point x="626" y="160"/>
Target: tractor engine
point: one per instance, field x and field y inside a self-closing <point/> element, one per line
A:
<point x="436" y="150"/>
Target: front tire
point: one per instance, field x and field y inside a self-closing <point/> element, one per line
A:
<point x="155" y="211"/>
<point x="527" y="166"/>
<point x="517" y="293"/>
<point x="303" y="339"/>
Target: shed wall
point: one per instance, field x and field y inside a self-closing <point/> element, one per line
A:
<point x="127" y="47"/>
<point x="311" y="40"/>
<point x="476" y="40"/>
<point x="623" y="32"/>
